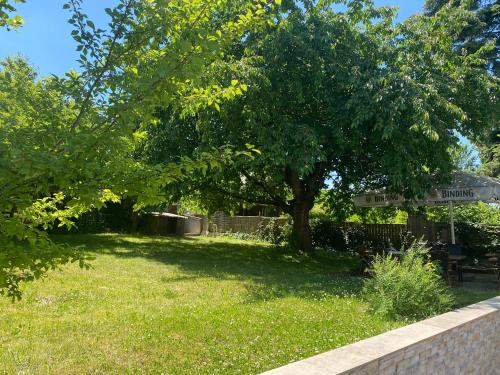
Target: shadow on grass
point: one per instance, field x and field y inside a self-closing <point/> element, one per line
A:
<point x="273" y="272"/>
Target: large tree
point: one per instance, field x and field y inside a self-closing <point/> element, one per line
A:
<point x="344" y="97"/>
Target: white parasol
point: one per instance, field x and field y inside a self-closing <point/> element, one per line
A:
<point x="464" y="188"/>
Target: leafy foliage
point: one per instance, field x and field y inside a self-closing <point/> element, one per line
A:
<point x="478" y="213"/>
<point x="6" y="7"/>
<point x="113" y="217"/>
<point x="274" y="231"/>
<point x="481" y="31"/>
<point x="31" y="130"/>
<point x="67" y="143"/>
<point x="240" y="236"/>
<point x="478" y="239"/>
<point x="411" y="288"/>
<point x="465" y="157"/>
<point x="329" y="234"/>
<point x="490" y="154"/>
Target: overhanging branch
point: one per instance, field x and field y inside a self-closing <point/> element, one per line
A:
<point x="278" y="201"/>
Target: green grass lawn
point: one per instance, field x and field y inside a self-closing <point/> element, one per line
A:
<point x="185" y="306"/>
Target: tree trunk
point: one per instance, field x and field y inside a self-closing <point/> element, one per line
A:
<point x="301" y="230"/>
<point x="304" y="191"/>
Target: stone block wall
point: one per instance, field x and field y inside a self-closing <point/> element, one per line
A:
<point x="461" y="342"/>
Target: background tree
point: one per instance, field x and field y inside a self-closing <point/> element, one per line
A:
<point x="342" y="96"/>
<point x="490" y="154"/>
<point x="477" y="213"/>
<point x="483" y="30"/>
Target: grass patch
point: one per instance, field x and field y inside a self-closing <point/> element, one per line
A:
<point x="465" y="297"/>
<point x="183" y="306"/>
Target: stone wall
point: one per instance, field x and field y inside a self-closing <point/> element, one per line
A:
<point x="461" y="342"/>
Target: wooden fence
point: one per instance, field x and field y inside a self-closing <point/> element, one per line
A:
<point x="418" y="226"/>
<point x="223" y="223"/>
<point x="380" y="232"/>
<point x="430" y="231"/>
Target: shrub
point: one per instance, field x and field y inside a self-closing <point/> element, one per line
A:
<point x="327" y="234"/>
<point x="408" y="288"/>
<point x="355" y="236"/>
<point x="114" y="217"/>
<point x="239" y="236"/>
<point x="478" y="239"/>
<point x="274" y="231"/>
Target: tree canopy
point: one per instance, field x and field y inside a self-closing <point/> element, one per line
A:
<point x="348" y="98"/>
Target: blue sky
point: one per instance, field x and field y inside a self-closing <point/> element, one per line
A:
<point x="45" y="38"/>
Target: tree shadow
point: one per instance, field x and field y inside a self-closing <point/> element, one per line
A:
<point x="273" y="272"/>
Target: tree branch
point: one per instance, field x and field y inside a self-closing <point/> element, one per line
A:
<point x="251" y="200"/>
<point x="279" y="202"/>
<point x="315" y="180"/>
<point x="104" y="68"/>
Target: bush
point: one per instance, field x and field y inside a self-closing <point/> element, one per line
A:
<point x="274" y="231"/>
<point x="411" y="288"/>
<point x="114" y="217"/>
<point x="328" y="234"/>
<point x="478" y="239"/>
<point x="239" y="236"/>
<point x="355" y="236"/>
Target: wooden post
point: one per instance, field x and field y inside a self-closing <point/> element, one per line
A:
<point x="452" y="223"/>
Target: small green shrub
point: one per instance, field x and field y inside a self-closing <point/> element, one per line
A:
<point x="239" y="236"/>
<point x="326" y="234"/>
<point x="274" y="231"/>
<point x="478" y="239"/>
<point x="408" y="288"/>
<point x="355" y="236"/>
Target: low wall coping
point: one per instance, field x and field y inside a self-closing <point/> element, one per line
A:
<point x="350" y="357"/>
